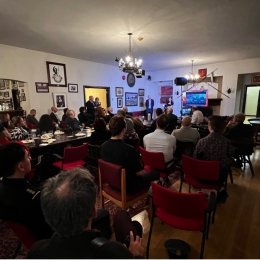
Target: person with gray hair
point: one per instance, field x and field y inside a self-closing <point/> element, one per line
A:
<point x="69" y="206"/>
<point x="186" y="133"/>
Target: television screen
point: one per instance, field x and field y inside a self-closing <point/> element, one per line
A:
<point x="195" y="98"/>
<point x="186" y="111"/>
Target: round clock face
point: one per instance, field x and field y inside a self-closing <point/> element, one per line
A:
<point x="131" y="79"/>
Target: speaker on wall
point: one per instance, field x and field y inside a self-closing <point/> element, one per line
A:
<point x="180" y="81"/>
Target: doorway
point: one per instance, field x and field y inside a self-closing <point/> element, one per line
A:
<point x="251" y="106"/>
<point x="103" y="93"/>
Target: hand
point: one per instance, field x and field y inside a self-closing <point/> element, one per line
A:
<point x="135" y="246"/>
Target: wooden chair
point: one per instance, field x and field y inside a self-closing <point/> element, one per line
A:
<point x="112" y="185"/>
<point x="186" y="211"/>
<point x="73" y="157"/>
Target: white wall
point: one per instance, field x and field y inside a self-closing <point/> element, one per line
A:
<point x="229" y="71"/>
<point x="30" y="66"/>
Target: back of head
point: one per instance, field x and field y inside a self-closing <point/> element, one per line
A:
<point x="240" y="118"/>
<point x="186" y="121"/>
<point x="162" y="122"/>
<point x="169" y="110"/>
<point x="45" y="123"/>
<point x="116" y="125"/>
<point x="65" y="110"/>
<point x="158" y="111"/>
<point x="81" y="109"/>
<point x="121" y="112"/>
<point x="99" y="124"/>
<point x="10" y="155"/>
<point x="217" y="124"/>
<point x="129" y="126"/>
<point x="68" y="201"/>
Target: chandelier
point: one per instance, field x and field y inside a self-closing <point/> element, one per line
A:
<point x="130" y="64"/>
<point x="191" y="77"/>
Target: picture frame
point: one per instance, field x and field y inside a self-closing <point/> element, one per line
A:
<point x="119" y="91"/>
<point x="23" y="97"/>
<point x="42" y="87"/>
<point x="141" y="92"/>
<point x="2" y="84"/>
<point x="56" y="74"/>
<point x="59" y="100"/>
<point x="141" y="101"/>
<point x="73" y="88"/>
<point x="6" y="94"/>
<point x="131" y="99"/>
<point x="119" y="102"/>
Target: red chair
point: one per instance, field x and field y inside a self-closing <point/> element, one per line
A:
<point x="73" y="157"/>
<point x="185" y="211"/>
<point x="155" y="161"/>
<point x="112" y="185"/>
<point x="23" y="233"/>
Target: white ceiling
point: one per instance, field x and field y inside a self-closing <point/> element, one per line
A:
<point x="174" y="31"/>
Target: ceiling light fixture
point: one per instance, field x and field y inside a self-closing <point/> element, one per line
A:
<point x="131" y="64"/>
<point x="192" y="78"/>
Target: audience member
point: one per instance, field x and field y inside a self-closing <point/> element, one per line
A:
<point x="71" y="121"/>
<point x="172" y="120"/>
<point x="46" y="124"/>
<point x="216" y="147"/>
<point x="69" y="205"/>
<point x="31" y="121"/>
<point x="128" y="114"/>
<point x="158" y="112"/>
<point x="186" y="133"/>
<point x="116" y="151"/>
<point x="197" y="116"/>
<point x="101" y="134"/>
<point x="110" y="112"/>
<point x="19" y="200"/>
<point x="64" y="116"/>
<point x="82" y="116"/>
<point x="159" y="141"/>
<point x="5" y="137"/>
<point x="131" y="137"/>
<point x="19" y="132"/>
<point x="6" y="121"/>
<point x="54" y="116"/>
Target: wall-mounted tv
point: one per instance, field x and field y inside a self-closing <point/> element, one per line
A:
<point x="198" y="98"/>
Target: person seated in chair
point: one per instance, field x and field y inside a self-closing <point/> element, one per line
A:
<point x="19" y="200"/>
<point x="197" y="116"/>
<point x="101" y="134"/>
<point x="186" y="133"/>
<point x="172" y="120"/>
<point x="31" y="121"/>
<point x="116" y="151"/>
<point x="71" y="121"/>
<point x="159" y="141"/>
<point x="73" y="193"/>
<point x="20" y="131"/>
<point x="5" y="137"/>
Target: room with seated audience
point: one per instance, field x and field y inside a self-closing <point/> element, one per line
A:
<point x="124" y="139"/>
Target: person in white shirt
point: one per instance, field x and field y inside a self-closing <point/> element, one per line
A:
<point x="159" y="141"/>
<point x="197" y="116"/>
<point x="186" y="133"/>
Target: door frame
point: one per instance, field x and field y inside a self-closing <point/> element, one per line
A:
<point x="244" y="96"/>
<point x="98" y="87"/>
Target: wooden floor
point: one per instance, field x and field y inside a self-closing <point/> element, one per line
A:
<point x="236" y="231"/>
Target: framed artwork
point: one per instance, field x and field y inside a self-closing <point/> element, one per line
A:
<point x="202" y="73"/>
<point x="2" y="84"/>
<point x="59" y="100"/>
<point x="56" y="74"/>
<point x="140" y="92"/>
<point x="119" y="102"/>
<point x="6" y="94"/>
<point x="42" y="87"/>
<point x="131" y="99"/>
<point x="119" y="91"/>
<point x="73" y="88"/>
<point x="141" y="101"/>
<point x="23" y="98"/>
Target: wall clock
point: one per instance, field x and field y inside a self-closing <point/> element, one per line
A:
<point x="130" y="79"/>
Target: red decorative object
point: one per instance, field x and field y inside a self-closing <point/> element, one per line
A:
<point x="202" y="73"/>
<point x="123" y="77"/>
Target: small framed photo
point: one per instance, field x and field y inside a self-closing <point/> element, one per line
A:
<point x="119" y="102"/>
<point x="6" y="94"/>
<point x="141" y="92"/>
<point x="23" y="98"/>
<point x="2" y="84"/>
<point x="131" y="99"/>
<point x="56" y="74"/>
<point x="42" y="87"/>
<point x="119" y="91"/>
<point x="59" y="100"/>
<point x="73" y="88"/>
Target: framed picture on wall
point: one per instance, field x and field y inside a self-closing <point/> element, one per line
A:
<point x="140" y="92"/>
<point x="119" y="102"/>
<point x="73" y="88"/>
<point x="131" y="99"/>
<point x="56" y="74"/>
<point x="42" y="87"/>
<point x="141" y="101"/>
<point x="119" y="91"/>
<point x="59" y="100"/>
<point x="2" y="84"/>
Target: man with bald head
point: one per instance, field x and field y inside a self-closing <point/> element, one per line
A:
<point x="186" y="133"/>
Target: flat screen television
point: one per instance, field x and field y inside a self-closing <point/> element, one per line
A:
<point x="198" y="98"/>
<point x="186" y="111"/>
